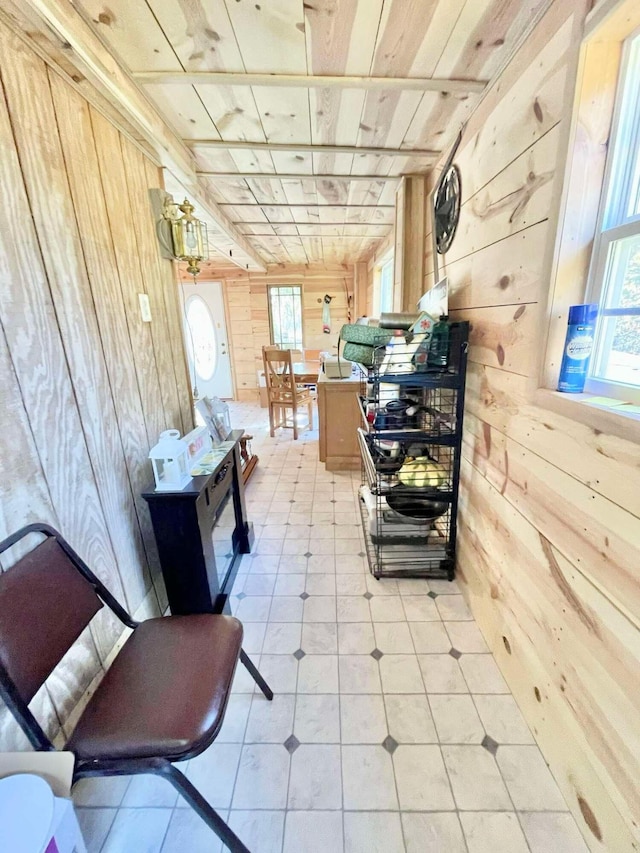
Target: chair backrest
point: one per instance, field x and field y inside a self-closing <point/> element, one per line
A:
<point x="278" y="369"/>
<point x="47" y="599"/>
<point x="270" y="348"/>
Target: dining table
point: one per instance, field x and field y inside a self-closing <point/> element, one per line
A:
<point x="306" y="372"/>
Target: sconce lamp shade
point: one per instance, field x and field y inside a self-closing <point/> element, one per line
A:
<point x="189" y="236"/>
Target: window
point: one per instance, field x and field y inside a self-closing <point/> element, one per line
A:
<point x="386" y="286"/>
<point x="285" y="316"/>
<point x="615" y="267"/>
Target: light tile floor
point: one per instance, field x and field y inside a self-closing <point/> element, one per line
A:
<point x="392" y="728"/>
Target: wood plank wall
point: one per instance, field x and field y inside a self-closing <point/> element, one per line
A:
<point x="549" y="542"/>
<point x="248" y="312"/>
<point x="86" y="385"/>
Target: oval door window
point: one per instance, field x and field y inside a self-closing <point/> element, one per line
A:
<point x="202" y="337"/>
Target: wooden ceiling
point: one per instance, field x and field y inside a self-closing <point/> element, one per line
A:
<point x="326" y="154"/>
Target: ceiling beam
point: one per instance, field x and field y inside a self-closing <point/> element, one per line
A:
<point x="307" y="148"/>
<point x="310" y="81"/>
<point x="321" y="236"/>
<point x="58" y="23"/>
<point x="292" y="222"/>
<point x="305" y="206"/>
<point x="274" y="176"/>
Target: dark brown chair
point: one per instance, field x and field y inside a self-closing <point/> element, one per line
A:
<point x="162" y="700"/>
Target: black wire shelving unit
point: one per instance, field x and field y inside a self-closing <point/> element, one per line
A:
<point x="409" y="508"/>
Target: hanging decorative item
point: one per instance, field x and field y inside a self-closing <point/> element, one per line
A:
<point x="182" y="235"/>
<point x="447" y="209"/>
<point x="435" y="249"/>
<point x="349" y="297"/>
<point x="326" y="314"/>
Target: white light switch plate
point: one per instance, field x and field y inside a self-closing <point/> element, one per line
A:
<point x="145" y="307"/>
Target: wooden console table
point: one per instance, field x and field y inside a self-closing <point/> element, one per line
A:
<point x="201" y="531"/>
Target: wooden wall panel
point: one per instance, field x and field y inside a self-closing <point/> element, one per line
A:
<point x="549" y="554"/>
<point x="76" y="138"/>
<point x="128" y="268"/>
<point x="173" y="309"/>
<point x="147" y="243"/>
<point x="80" y="409"/>
<point x="32" y="502"/>
<point x="41" y="359"/>
<point x="523" y="591"/>
<point x="503" y="336"/>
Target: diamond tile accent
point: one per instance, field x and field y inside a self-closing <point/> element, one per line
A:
<point x="490" y="744"/>
<point x="339" y="689"/>
<point x="291" y="744"/>
<point x="390" y="744"/>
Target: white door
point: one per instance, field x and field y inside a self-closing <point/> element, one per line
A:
<point x="206" y="339"/>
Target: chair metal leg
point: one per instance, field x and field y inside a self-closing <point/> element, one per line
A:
<point x="198" y="803"/>
<point x="253" y="672"/>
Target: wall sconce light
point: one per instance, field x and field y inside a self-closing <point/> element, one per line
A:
<point x="189" y="235"/>
<point x="189" y="241"/>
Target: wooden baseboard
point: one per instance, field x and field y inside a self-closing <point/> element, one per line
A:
<point x="342" y="463"/>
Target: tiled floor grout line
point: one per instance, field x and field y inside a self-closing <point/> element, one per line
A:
<point x="166" y="832"/>
<point x="276" y="478"/>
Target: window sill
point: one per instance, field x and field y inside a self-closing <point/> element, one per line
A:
<point x="614" y="421"/>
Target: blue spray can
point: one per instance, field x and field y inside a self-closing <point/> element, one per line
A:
<point x="577" y="348"/>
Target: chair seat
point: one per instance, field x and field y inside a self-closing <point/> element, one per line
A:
<point x="166" y="692"/>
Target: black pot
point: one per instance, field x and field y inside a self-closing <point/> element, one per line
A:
<point x="395" y="407"/>
<point x="399" y="414"/>
<point x="415" y="506"/>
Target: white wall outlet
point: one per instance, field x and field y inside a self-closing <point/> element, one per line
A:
<point x="145" y="307"/>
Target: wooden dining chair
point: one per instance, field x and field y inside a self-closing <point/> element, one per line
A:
<point x="162" y="700"/>
<point x="284" y="394"/>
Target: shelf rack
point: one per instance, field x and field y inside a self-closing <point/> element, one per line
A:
<point x="410" y="517"/>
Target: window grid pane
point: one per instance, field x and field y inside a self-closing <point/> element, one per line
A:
<point x="386" y="287"/>
<point x="615" y="272"/>
<point x="623" y="194"/>
<point x="286" y="316"/>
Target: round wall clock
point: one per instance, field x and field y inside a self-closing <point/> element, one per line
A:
<point x="446" y="208"/>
